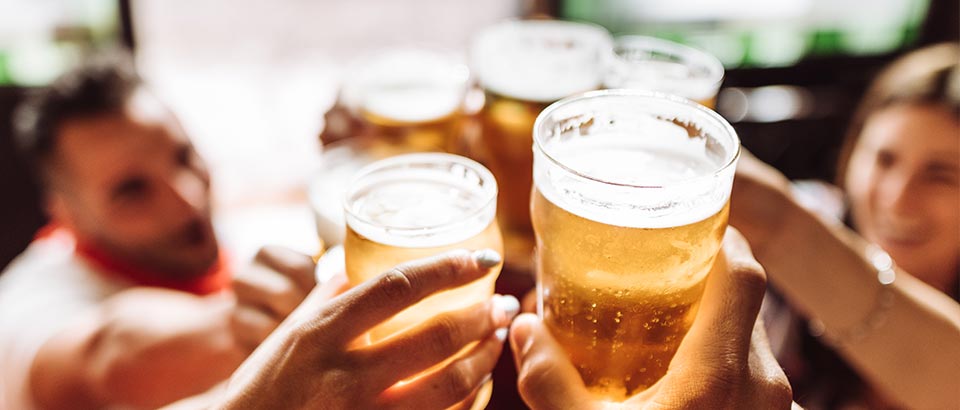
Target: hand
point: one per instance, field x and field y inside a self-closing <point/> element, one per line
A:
<point x="529" y="302"/>
<point x="758" y="203"/>
<point x="723" y="362"/>
<point x="272" y="287"/>
<point x="311" y="361"/>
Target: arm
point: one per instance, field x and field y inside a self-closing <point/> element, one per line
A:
<point x="116" y="355"/>
<point x="148" y="347"/>
<point x="823" y="271"/>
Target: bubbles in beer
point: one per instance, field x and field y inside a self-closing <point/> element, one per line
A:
<point x="629" y="209"/>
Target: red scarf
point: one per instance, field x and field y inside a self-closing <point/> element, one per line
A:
<point x="214" y="280"/>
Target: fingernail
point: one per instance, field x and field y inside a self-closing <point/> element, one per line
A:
<point x="501" y="334"/>
<point x="508" y="304"/>
<point x="521" y="328"/>
<point x="487" y="258"/>
<point x="504" y="308"/>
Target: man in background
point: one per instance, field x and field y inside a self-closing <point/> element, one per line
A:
<point x="125" y="298"/>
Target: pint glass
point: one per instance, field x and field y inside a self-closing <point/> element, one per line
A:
<point x="653" y="64"/>
<point x="629" y="207"/>
<point x="523" y="66"/>
<point x="406" y="99"/>
<point x="418" y="205"/>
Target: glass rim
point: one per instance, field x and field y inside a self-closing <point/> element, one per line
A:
<point x="699" y="110"/>
<point x="432" y="158"/>
<point x="371" y="74"/>
<point x="514" y="21"/>
<point x="715" y="68"/>
<point x="594" y="43"/>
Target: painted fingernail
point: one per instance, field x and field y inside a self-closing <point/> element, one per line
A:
<point x="504" y="308"/>
<point x="509" y="304"/>
<point x="487" y="258"/>
<point x="501" y="334"/>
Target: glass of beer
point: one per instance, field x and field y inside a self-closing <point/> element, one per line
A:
<point x="414" y="206"/>
<point x="406" y="98"/>
<point x="629" y="209"/>
<point x="654" y="64"/>
<point x="523" y="66"/>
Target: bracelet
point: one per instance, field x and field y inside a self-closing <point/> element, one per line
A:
<point x="883" y="263"/>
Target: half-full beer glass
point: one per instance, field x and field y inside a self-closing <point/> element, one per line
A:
<point x="630" y="204"/>
<point x="418" y="205"/>
<point x="523" y="66"/>
<point x="653" y="64"/>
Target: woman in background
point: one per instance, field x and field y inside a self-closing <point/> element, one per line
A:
<point x="870" y="331"/>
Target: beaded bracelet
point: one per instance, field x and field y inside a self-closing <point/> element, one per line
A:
<point x="877" y="316"/>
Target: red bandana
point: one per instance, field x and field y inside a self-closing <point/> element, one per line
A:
<point x="214" y="280"/>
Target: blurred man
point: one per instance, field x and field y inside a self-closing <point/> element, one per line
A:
<point x="124" y="299"/>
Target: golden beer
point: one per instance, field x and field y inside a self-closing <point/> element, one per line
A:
<point x="414" y="206"/>
<point x="367" y="259"/>
<point x="523" y="66"/>
<point x="406" y="100"/>
<point x="629" y="210"/>
<point x="653" y="64"/>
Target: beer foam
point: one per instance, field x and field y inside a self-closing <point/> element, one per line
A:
<point x="647" y="182"/>
<point x="540" y="61"/>
<point x="406" y="86"/>
<point x="651" y="63"/>
<point x="413" y="103"/>
<point x="664" y="76"/>
<point x="417" y="208"/>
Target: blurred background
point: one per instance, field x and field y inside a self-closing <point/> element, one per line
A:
<point x="251" y="80"/>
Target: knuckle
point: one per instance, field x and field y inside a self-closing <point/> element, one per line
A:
<point x="734" y="235"/>
<point x="396" y="284"/>
<point x="749" y="274"/>
<point x="534" y="374"/>
<point x="263" y="254"/>
<point x="458" y="383"/>
<point x="449" y="265"/>
<point x="315" y="329"/>
<point x="268" y="256"/>
<point x="778" y="392"/>
<point x="284" y="261"/>
<point x="444" y="335"/>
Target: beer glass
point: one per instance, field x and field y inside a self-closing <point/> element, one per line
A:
<point x="406" y="98"/>
<point x="414" y="206"/>
<point x="653" y="64"/>
<point x="523" y="66"/>
<point x="629" y="207"/>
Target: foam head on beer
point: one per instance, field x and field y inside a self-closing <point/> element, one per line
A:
<point x="540" y="61"/>
<point x="405" y="86"/>
<point x="415" y="206"/>
<point x="522" y="67"/>
<point x="653" y="64"/>
<point x="629" y="209"/>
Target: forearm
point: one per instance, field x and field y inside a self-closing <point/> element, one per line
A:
<point x="823" y="272"/>
<point x="136" y="355"/>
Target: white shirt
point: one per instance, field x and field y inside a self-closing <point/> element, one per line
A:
<point x="41" y="292"/>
